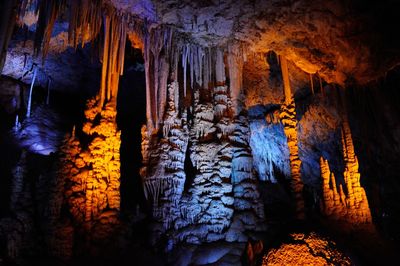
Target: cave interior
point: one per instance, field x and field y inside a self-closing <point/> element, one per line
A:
<point x="165" y="132"/>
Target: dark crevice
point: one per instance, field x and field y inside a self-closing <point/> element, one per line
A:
<point x="190" y="171"/>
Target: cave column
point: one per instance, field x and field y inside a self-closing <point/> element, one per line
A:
<point x="289" y="121"/>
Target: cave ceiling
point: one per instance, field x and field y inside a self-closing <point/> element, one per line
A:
<point x="342" y="41"/>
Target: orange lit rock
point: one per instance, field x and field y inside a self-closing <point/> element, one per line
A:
<point x="289" y="121"/>
<point x="135" y="40"/>
<point x="305" y="249"/>
<point x="93" y="173"/>
<point x="351" y="207"/>
<point x="113" y="56"/>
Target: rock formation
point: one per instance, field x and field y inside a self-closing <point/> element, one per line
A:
<point x="289" y="121"/>
<point x="199" y="176"/>
<point x="350" y="206"/>
<point x="218" y="137"/>
<point x="306" y="249"/>
<point x="92" y="172"/>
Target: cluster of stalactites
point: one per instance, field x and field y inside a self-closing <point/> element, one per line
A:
<point x="202" y="68"/>
<point x="352" y="206"/>
<point x="113" y="55"/>
<point x="48" y="13"/>
<point x="85" y="19"/>
<point x="289" y="121"/>
<point x="159" y="54"/>
<point x="208" y="66"/>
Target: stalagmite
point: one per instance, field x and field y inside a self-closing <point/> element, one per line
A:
<point x="28" y="113"/>
<point x="17" y="124"/>
<point x="92" y="171"/>
<point x="351" y="207"/>
<point x="289" y="121"/>
<point x="48" y="91"/>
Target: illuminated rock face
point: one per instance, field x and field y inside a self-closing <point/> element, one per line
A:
<point x="306" y="249"/>
<point x="218" y="197"/>
<point x="93" y="173"/>
<point x="289" y="121"/>
<point x="350" y="206"/>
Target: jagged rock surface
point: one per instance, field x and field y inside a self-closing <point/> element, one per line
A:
<point x="306" y="249"/>
<point x="350" y="206"/>
<point x="92" y="174"/>
<point x="219" y="199"/>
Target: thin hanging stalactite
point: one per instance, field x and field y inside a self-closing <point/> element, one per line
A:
<point x="104" y="70"/>
<point x="235" y="63"/>
<point x="84" y="21"/>
<point x="48" y="13"/>
<point x="113" y="56"/>
<point x="220" y="68"/>
<point x="158" y="56"/>
<point x="320" y="85"/>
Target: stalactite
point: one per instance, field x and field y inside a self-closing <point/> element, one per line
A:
<point x="199" y="66"/>
<point x="113" y="56"/>
<point x="84" y="21"/>
<point x="220" y="67"/>
<point x="158" y="55"/>
<point x="8" y="13"/>
<point x="289" y="121"/>
<point x="286" y="81"/>
<point x="206" y="71"/>
<point x="235" y="65"/>
<point x="320" y="85"/>
<point x="312" y="84"/>
<point x="192" y="65"/>
<point x="48" y="12"/>
<point x="185" y="55"/>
